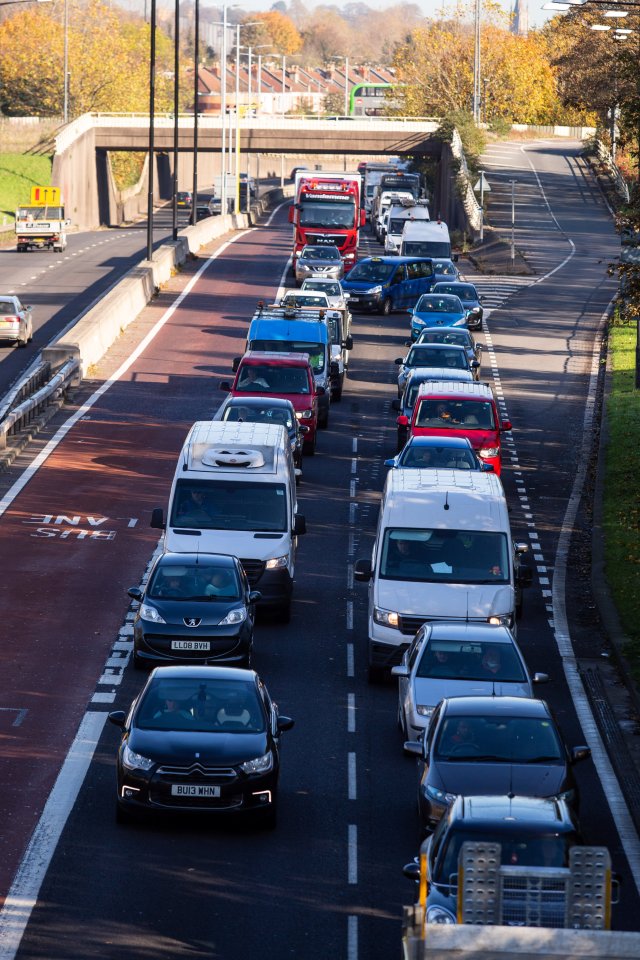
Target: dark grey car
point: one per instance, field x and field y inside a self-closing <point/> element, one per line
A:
<point x="471" y="300"/>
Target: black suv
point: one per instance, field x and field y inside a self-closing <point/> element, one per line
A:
<point x="532" y="832"/>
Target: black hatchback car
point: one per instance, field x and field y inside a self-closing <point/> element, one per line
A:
<point x="492" y="745"/>
<point x="195" y="608"/>
<point x="200" y="740"/>
<point x="267" y="410"/>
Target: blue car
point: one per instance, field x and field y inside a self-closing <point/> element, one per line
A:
<point x="437" y="310"/>
<point x="450" y="453"/>
<point x="384" y="284"/>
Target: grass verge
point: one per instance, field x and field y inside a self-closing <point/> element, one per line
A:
<point x="18" y="173"/>
<point x="621" y="508"/>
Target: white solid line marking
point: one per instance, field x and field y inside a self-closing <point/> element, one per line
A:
<point x="353" y="790"/>
<point x="350" y="661"/>
<point x="352" y="868"/>
<point x="349" y="614"/>
<point x="23" y="894"/>
<point x="351" y="713"/>
<point x="352" y="938"/>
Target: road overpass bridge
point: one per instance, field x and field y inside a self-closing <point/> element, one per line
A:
<point x="82" y="170"/>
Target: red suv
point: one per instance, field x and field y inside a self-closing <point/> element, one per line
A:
<point x="287" y="375"/>
<point x="458" y="409"/>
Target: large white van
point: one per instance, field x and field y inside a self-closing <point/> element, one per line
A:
<point x="443" y="551"/>
<point x="234" y="492"/>
<point x="425" y="240"/>
<point x="399" y="215"/>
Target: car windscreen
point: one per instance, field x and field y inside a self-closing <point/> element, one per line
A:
<point x="372" y="272"/>
<point x="463" y="290"/>
<point x="40" y="213"/>
<point x="331" y="289"/>
<point x="316" y="353"/>
<point x="201" y="705"/>
<point x="329" y="213"/>
<point x="426" y="248"/>
<point x="463" y="660"/>
<point x="457" y="336"/>
<point x="204" y="581"/>
<point x="433" y="304"/>
<point x="251" y="414"/>
<point x="426" y="356"/>
<point x="229" y="505"/>
<point x="456" y="414"/>
<point x="304" y="300"/>
<point x="500" y="739"/>
<point x="444" y="556"/>
<point x="272" y="378"/>
<point x="430" y="457"/>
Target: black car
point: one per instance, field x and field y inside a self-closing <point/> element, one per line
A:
<point x="200" y="740"/>
<point x="492" y="745"/>
<point x="184" y="199"/>
<point x="195" y="608"/>
<point x="267" y="410"/>
<point x="532" y="833"/>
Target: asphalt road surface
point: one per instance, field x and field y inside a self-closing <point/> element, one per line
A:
<point x="328" y="881"/>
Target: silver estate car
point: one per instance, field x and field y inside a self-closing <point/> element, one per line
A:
<point x="323" y="259"/>
<point x="16" y="324"/>
<point x="458" y="659"/>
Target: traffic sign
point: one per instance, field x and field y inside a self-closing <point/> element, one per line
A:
<point x="45" y="196"/>
<point x="482" y="185"/>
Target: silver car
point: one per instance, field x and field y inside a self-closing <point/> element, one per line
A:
<point x="16" y="324"/>
<point x="458" y="659"/>
<point x="322" y="259"/>
<point x="338" y="299"/>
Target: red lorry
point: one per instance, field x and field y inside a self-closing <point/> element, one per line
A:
<point x="328" y="209"/>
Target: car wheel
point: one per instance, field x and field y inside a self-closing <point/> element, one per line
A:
<point x="386" y="306"/>
<point x="23" y="342"/>
<point x="336" y="395"/>
<point x="309" y="447"/>
<point x="324" y="422"/>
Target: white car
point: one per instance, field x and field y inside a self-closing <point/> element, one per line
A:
<point x="311" y="299"/>
<point x="458" y="659"/>
<point x="16" y="324"/>
<point x="336" y="296"/>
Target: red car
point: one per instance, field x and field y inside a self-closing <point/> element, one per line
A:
<point x="458" y="409"/>
<point x="287" y="375"/>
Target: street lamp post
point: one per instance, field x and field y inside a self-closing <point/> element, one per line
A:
<point x="476" y="62"/>
<point x="65" y="66"/>
<point x="346" y="82"/>
<point x="176" y="107"/>
<point x="261" y="46"/>
<point x="152" y="98"/>
<point x="194" y="195"/>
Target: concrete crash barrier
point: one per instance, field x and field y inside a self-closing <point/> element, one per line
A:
<point x="521" y="943"/>
<point x="90" y="338"/>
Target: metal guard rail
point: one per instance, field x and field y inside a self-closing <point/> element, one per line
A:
<point x="26" y="411"/>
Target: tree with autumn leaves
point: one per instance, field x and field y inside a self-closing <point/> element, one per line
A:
<point x="108" y="60"/>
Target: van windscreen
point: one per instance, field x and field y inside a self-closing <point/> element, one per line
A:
<point x="456" y="414"/>
<point x="271" y="378"/>
<point x="229" y="505"/>
<point x="444" y="556"/>
<point x="316" y="353"/>
<point x="425" y="248"/>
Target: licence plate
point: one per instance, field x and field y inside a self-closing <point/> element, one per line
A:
<point x="193" y="790"/>
<point x="353" y="299"/>
<point x="190" y="645"/>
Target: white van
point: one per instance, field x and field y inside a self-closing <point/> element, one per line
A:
<point x="234" y="492"/>
<point x="399" y="215"/>
<point x="443" y="551"/>
<point x="426" y="240"/>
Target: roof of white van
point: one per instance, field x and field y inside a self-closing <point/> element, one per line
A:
<point x="453" y="499"/>
<point x="425" y="228"/>
<point x="232" y="446"/>
<point x="474" y="390"/>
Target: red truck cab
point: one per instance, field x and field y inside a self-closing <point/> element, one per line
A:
<point x="328" y="209"/>
<point x="458" y="409"/>
<point x="287" y="375"/>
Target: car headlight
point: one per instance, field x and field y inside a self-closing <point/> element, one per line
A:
<point x="304" y="414"/>
<point x="439" y="915"/>
<point x="277" y="563"/>
<point x="417" y="321"/>
<point x="388" y="618"/>
<point x="440" y="796"/>
<point x="239" y="615"/>
<point x="490" y="451"/>
<point x="349" y="256"/>
<point x="147" y="612"/>
<point x="424" y="710"/>
<point x="502" y="619"/>
<point x="374" y="290"/>
<point x="135" y="761"/>
<point x="259" y="765"/>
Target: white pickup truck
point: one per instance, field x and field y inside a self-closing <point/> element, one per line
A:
<point x="42" y="222"/>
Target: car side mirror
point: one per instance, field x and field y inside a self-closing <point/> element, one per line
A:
<point x="236" y="364"/>
<point x="320" y="391"/>
<point x="580" y="753"/>
<point x="455" y="257"/>
<point x="505" y="425"/>
<point x="395" y="404"/>
<point x="399" y="361"/>
<point x="225" y="386"/>
<point x="291" y="212"/>
<point x="334" y="368"/>
<point x="521" y="548"/>
<point x="400" y="670"/>
<point x="157" y="519"/>
<point x="347" y="343"/>
<point x="390" y="463"/>
<point x="540" y="678"/>
<point x="299" y="525"/>
<point x="487" y="468"/>
<point x="412" y="871"/>
<point x="403" y="420"/>
<point x="284" y="723"/>
<point x="362" y="570"/>
<point x="474" y="364"/>
<point x="303" y="428"/>
<point x="254" y="596"/>
<point x="135" y="593"/>
<point x="117" y="718"/>
<point x="413" y="748"/>
<point x="363" y="218"/>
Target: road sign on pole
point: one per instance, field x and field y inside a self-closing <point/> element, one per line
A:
<point x="482" y="186"/>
